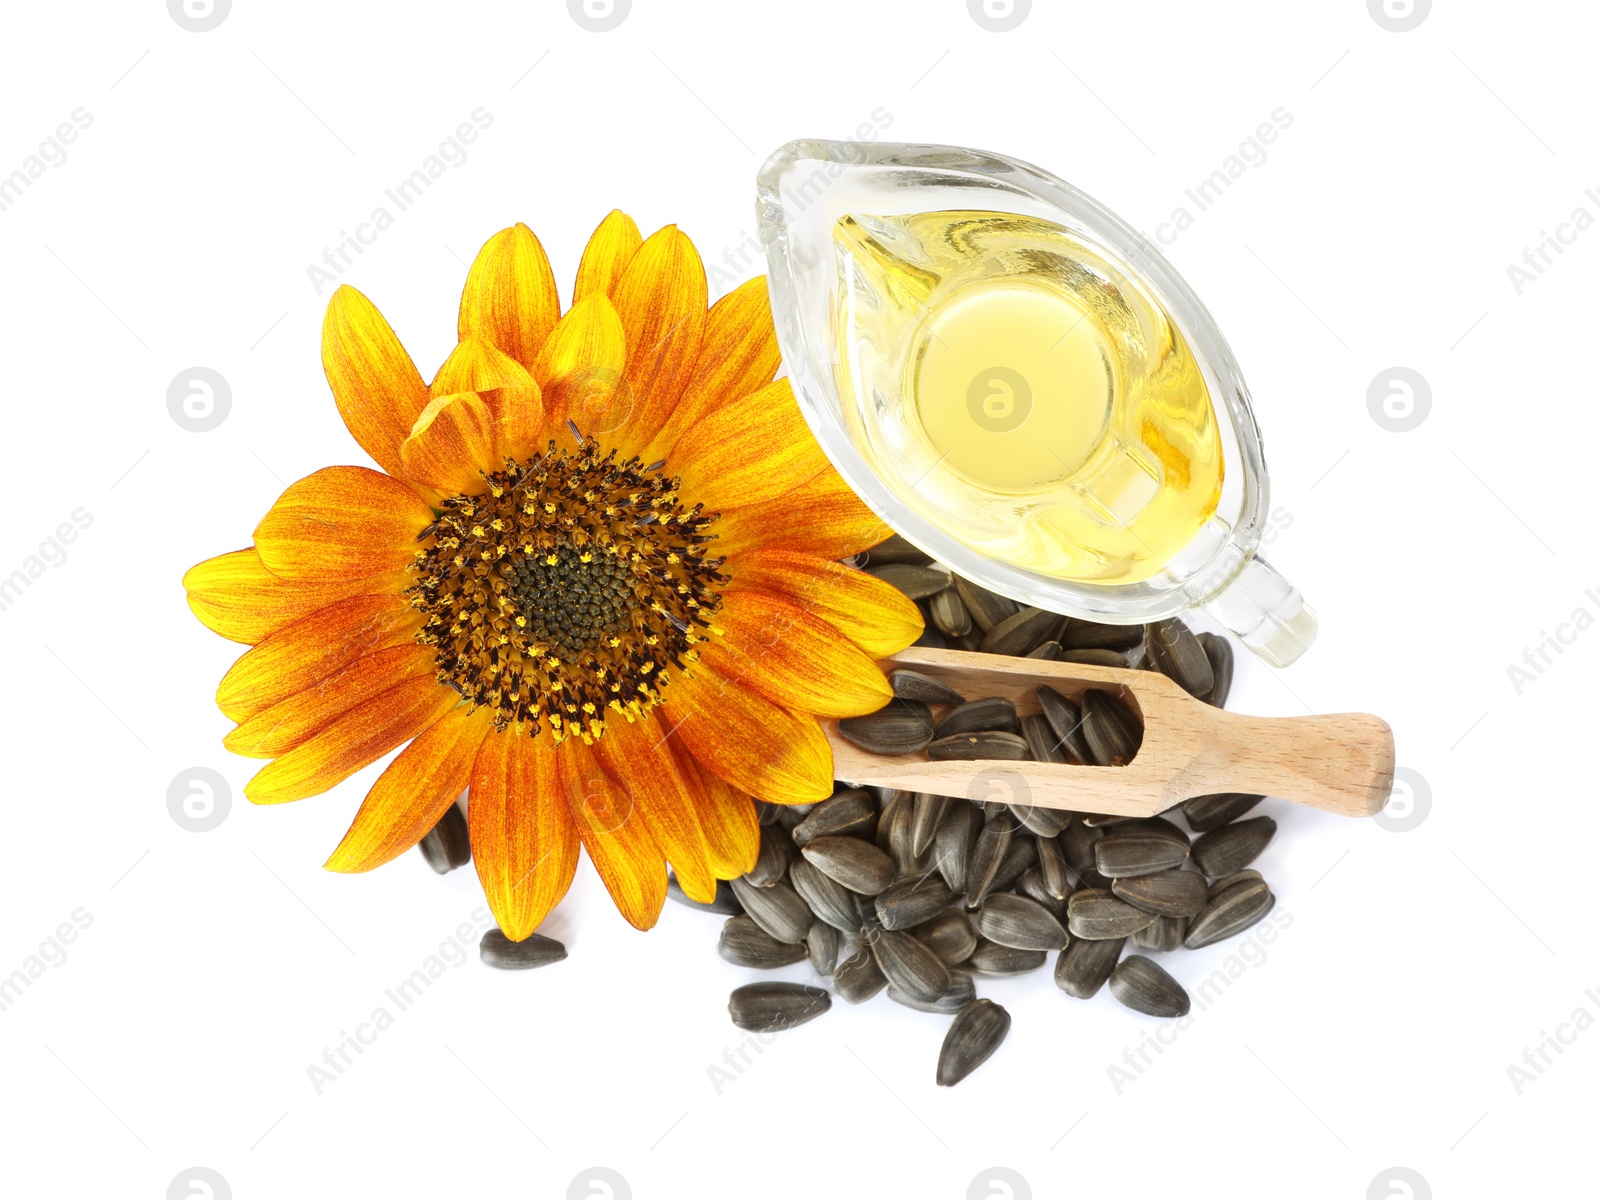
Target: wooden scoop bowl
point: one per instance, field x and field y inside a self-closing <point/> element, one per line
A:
<point x="1342" y="763"/>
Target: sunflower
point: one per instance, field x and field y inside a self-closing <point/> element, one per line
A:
<point x="595" y="584"/>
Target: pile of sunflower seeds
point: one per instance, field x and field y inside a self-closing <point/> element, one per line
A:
<point x="918" y="895"/>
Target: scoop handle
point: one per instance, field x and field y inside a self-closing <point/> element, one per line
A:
<point x="1341" y="762"/>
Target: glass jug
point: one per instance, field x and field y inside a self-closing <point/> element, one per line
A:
<point x="1017" y="382"/>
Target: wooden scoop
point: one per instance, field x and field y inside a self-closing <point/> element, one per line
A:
<point x="1343" y="763"/>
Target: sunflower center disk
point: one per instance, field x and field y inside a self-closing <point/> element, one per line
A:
<point x="570" y="586"/>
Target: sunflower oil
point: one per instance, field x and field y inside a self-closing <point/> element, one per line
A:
<point x="1023" y="392"/>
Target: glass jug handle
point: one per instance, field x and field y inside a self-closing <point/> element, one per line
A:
<point x="1267" y="613"/>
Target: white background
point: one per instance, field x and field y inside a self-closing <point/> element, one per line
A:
<point x="1418" y="965"/>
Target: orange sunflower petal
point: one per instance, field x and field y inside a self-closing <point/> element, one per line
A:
<point x="477" y="365"/>
<point x="793" y="658"/>
<point x="821" y="517"/>
<point x="234" y="595"/>
<point x="740" y="736"/>
<point x="665" y="795"/>
<point x="611" y="248"/>
<point x="413" y="792"/>
<point x="661" y="299"/>
<point x="374" y="382"/>
<point x="727" y="817"/>
<point x="607" y="816"/>
<point x="738" y="356"/>
<point x="523" y="840"/>
<point x="341" y="523"/>
<point x="298" y="718"/>
<point x="751" y="450"/>
<point x="875" y="616"/>
<point x="580" y="369"/>
<point x="506" y="389"/>
<point x="453" y="444"/>
<point x="510" y="295"/>
<point x="319" y="645"/>
<point x="360" y="736"/>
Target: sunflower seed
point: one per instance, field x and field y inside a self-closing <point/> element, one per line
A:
<point x="914" y="685"/>
<point x="1053" y="868"/>
<point x="724" y="902"/>
<point x="969" y="642"/>
<point x="1020" y="923"/>
<point x="446" y="846"/>
<point x="927" y="811"/>
<point x="832" y="903"/>
<point x="954" y="843"/>
<point x="1123" y="855"/>
<point x="899" y="727"/>
<point x="1065" y="719"/>
<point x="1022" y="631"/>
<point x="888" y="814"/>
<point x="975" y="716"/>
<point x="535" y="950"/>
<point x="1097" y="914"/>
<point x="911" y="579"/>
<point x="948" y="613"/>
<point x="1205" y="813"/>
<point x="973" y="1036"/>
<point x="1110" y="728"/>
<point x="786" y="816"/>
<point x="857" y="864"/>
<point x="957" y="996"/>
<point x="852" y="813"/>
<point x="1178" y="655"/>
<point x="1091" y="635"/>
<point x="930" y="636"/>
<point x="1164" y="935"/>
<point x="991" y="958"/>
<point x="1153" y="826"/>
<point x="1084" y="966"/>
<point x="1043" y="745"/>
<point x="771" y="1006"/>
<point x="857" y="978"/>
<point x="985" y="745"/>
<point x="1031" y="885"/>
<point x="777" y="909"/>
<point x="1165" y="893"/>
<point x="909" y="965"/>
<point x="822" y="948"/>
<point x="1095" y="657"/>
<point x="949" y="935"/>
<point x="901" y="840"/>
<point x="1229" y="912"/>
<point x="1077" y="843"/>
<point x="1224" y="851"/>
<point x="1227" y="881"/>
<point x="987" y="609"/>
<point x="895" y="549"/>
<point x="1021" y="856"/>
<point x="993" y="842"/>
<point x="1092" y="881"/>
<point x="1220" y="651"/>
<point x="1041" y="821"/>
<point x="1144" y="987"/>
<point x="913" y="901"/>
<point x="746" y="944"/>
<point x="777" y="852"/>
<point x="1046" y="651"/>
